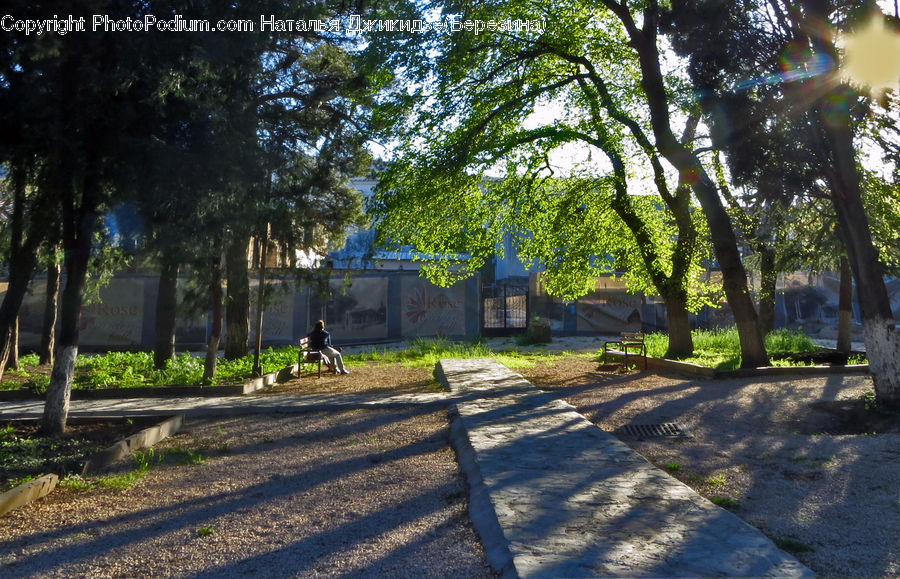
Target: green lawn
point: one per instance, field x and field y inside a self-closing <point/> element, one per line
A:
<point x="716" y="349"/>
<point x="721" y="349"/>
<point x="135" y="369"/>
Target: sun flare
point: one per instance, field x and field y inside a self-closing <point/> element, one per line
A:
<point x="872" y="56"/>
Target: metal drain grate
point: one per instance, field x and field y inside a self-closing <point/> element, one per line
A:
<point x="665" y="430"/>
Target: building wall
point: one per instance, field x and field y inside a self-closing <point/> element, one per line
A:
<point x="364" y="308"/>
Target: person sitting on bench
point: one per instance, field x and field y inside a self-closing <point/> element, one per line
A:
<point x="320" y="340"/>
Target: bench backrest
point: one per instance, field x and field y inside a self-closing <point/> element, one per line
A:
<point x="632" y="336"/>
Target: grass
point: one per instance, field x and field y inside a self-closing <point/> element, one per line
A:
<point x="792" y="545"/>
<point x="427" y="352"/>
<point x="118" y="482"/>
<point x="205" y="531"/>
<point x="135" y="369"/>
<point x="713" y="348"/>
<point x="721" y="349"/>
<point x="726" y="502"/>
<point x="143" y="461"/>
<point x="21" y="456"/>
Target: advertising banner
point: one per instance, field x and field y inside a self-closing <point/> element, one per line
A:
<point x="358" y="311"/>
<point x="429" y="310"/>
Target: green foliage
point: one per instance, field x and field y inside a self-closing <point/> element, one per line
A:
<point x="76" y="483"/>
<point x="477" y="158"/>
<point x="792" y="545"/>
<point x="135" y="369"/>
<point x="30" y="454"/>
<point x="716" y="480"/>
<point x="37" y="384"/>
<point x="205" y="531"/>
<point x="784" y="341"/>
<point x="722" y="349"/>
<point x="121" y="482"/>
<point x="428" y="352"/>
<point x="9" y="385"/>
<point x="726" y="503"/>
<point x="143" y="461"/>
<point x="425" y="352"/>
<point x="29" y="360"/>
<point x="185" y="456"/>
<point x="882" y="200"/>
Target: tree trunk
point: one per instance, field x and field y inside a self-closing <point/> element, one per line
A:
<point x="691" y="170"/>
<point x="768" y="280"/>
<point x="56" y="408"/>
<point x="79" y="222"/>
<point x="51" y="306"/>
<point x="12" y="357"/>
<point x="9" y="310"/>
<point x="166" y="305"/>
<point x="681" y="344"/>
<point x="881" y="338"/>
<point x="832" y="116"/>
<point x="845" y="307"/>
<point x="215" y="298"/>
<point x="260" y="303"/>
<point x="22" y="260"/>
<point x="237" y="313"/>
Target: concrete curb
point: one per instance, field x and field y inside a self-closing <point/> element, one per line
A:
<point x="696" y="371"/>
<point x="143" y="439"/>
<point x="481" y="509"/>
<point x="27" y="492"/>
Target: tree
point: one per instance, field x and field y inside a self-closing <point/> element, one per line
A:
<point x="51" y="306"/>
<point x="813" y="93"/>
<point x="608" y="72"/>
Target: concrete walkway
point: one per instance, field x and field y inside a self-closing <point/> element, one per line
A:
<point x="554" y="496"/>
<point x="551" y="494"/>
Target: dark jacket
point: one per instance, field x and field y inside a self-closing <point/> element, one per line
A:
<point x="318" y="339"/>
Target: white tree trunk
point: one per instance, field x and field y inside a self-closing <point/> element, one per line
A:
<point x="883" y="351"/>
<point x="56" y="408"/>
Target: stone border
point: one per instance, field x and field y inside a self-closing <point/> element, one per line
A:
<point x="143" y="439"/>
<point x="27" y="492"/>
<point x="696" y="371"/>
<point x="251" y="385"/>
<point x="31" y="491"/>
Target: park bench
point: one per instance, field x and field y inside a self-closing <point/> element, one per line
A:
<point x="628" y="341"/>
<point x="308" y="356"/>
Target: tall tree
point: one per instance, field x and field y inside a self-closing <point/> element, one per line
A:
<point x="642" y="26"/>
<point x="797" y="60"/>
<point x="607" y="69"/>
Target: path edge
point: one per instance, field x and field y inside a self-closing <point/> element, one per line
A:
<point x="481" y="509"/>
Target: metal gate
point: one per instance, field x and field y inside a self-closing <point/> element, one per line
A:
<point x="504" y="309"/>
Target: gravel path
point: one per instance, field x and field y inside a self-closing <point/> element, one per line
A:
<point x="359" y="493"/>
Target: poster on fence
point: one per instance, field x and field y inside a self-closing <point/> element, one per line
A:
<point x="609" y="313"/>
<point x="117" y="318"/>
<point x="278" y="317"/>
<point x="429" y="310"/>
<point x="358" y="310"/>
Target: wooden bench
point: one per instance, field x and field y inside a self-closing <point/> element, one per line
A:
<point x="308" y="356"/>
<point x="633" y="341"/>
